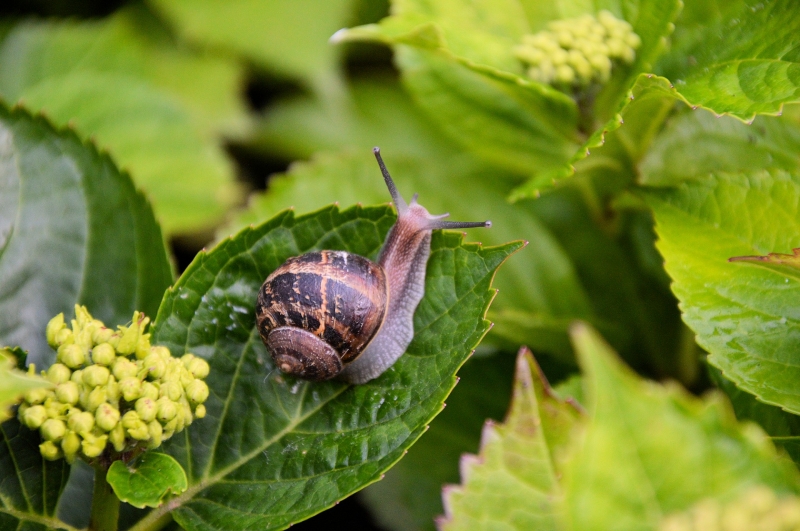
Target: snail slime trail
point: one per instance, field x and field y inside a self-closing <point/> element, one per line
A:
<point x="329" y="314"/>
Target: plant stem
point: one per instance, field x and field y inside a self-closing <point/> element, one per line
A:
<point x="105" y="504"/>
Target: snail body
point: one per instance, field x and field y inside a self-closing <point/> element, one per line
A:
<point x="329" y="314"/>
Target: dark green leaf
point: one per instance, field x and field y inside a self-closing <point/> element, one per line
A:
<point x="744" y="314"/>
<point x="274" y="450"/>
<point x="410" y="496"/>
<point x="148" y="480"/>
<point x="73" y="229"/>
<point x="31" y="486"/>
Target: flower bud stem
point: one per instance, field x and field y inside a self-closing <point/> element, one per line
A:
<point x="105" y="504"/>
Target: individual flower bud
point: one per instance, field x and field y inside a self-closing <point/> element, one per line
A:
<point x="50" y="451"/>
<point x="200" y="411"/>
<point x="77" y="377"/>
<point x="95" y="375"/>
<point x="106" y="417"/>
<point x="55" y="409"/>
<point x="55" y="325"/>
<point x="199" y="368"/>
<point x="83" y="338"/>
<point x="63" y="337"/>
<point x="123" y="367"/>
<point x="185" y="377"/>
<point x="58" y="373"/>
<point x="130" y="419"/>
<point x="82" y="317"/>
<point x="155" y="366"/>
<point x="112" y="390"/>
<point x="93" y="445"/>
<point x="170" y="428"/>
<point x="97" y="396"/>
<point x="70" y="445"/>
<point x="68" y="392"/>
<point x="140" y="431"/>
<point x="187" y="412"/>
<point x="53" y="430"/>
<point x="147" y="409"/>
<point x="130" y="335"/>
<point x="73" y="355"/>
<point x="187" y="358"/>
<point x="34" y="416"/>
<point x="102" y="335"/>
<point x="156" y="433"/>
<point x="143" y="347"/>
<point x="103" y="354"/>
<point x="150" y="390"/>
<point x="117" y="437"/>
<point x="166" y="409"/>
<point x="197" y="391"/>
<point x="35" y="396"/>
<point x="171" y="390"/>
<point x="130" y="387"/>
<point x="80" y="421"/>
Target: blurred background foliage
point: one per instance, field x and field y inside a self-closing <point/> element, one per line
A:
<point x="226" y="113"/>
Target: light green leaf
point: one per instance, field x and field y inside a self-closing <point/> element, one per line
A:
<point x="14" y="382"/>
<point x="306" y="445"/>
<point x="746" y="62"/>
<point x="157" y="109"/>
<point x="73" y="229"/>
<point x="410" y="496"/>
<point x="289" y="37"/>
<point x="147" y="480"/>
<point x="698" y="143"/>
<point x="744" y="314"/>
<point x="514" y="482"/>
<point x="650" y="450"/>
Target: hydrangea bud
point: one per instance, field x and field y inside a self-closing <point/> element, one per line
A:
<point x="155" y="366"/>
<point x="171" y="390"/>
<point x="103" y="354"/>
<point x="97" y="396"/>
<point x="200" y="411"/>
<point x="34" y="416"/>
<point x="70" y="445"/>
<point x="68" y="392"/>
<point x="131" y="388"/>
<point x="156" y="433"/>
<point x="55" y="325"/>
<point x="149" y="390"/>
<point x="198" y="367"/>
<point x="197" y="391"/>
<point x="106" y="417"/>
<point x="50" y="451"/>
<point x="35" y="396"/>
<point x="123" y="368"/>
<point x="55" y="409"/>
<point x="139" y="431"/>
<point x="102" y="335"/>
<point x="112" y="390"/>
<point x="77" y="377"/>
<point x="95" y="375"/>
<point x="146" y="408"/>
<point x="117" y="437"/>
<point x="64" y="337"/>
<point x="53" y="430"/>
<point x="80" y="421"/>
<point x="166" y="409"/>
<point x="73" y="356"/>
<point x="93" y="445"/>
<point x="132" y="334"/>
<point x="58" y="373"/>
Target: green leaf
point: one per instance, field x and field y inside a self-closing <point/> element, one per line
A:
<point x="698" y="143"/>
<point x="746" y="62"/>
<point x="514" y="482"/>
<point x="289" y="37"/>
<point x="649" y="450"/>
<point x="743" y="313"/>
<point x="300" y="438"/>
<point x="147" y="480"/>
<point x="73" y="229"/>
<point x="410" y="496"/>
<point x="14" y="382"/>
<point x="31" y="486"/>
<point x="158" y="110"/>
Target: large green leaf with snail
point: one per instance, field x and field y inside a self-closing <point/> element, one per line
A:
<point x="274" y="450"/>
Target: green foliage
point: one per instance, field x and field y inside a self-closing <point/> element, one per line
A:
<point x="14" y="382"/>
<point x="146" y="481"/>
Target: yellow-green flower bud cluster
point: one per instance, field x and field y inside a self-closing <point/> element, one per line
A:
<point x="757" y="509"/>
<point x="578" y="51"/>
<point x="113" y="389"/>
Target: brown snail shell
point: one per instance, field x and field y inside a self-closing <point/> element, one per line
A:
<point x="317" y="312"/>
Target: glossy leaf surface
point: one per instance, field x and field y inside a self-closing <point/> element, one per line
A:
<point x="73" y="229"/>
<point x="306" y="445"/>
<point x="148" y="480"/>
<point x="744" y="313"/>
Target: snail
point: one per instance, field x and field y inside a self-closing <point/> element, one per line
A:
<point x="330" y="314"/>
